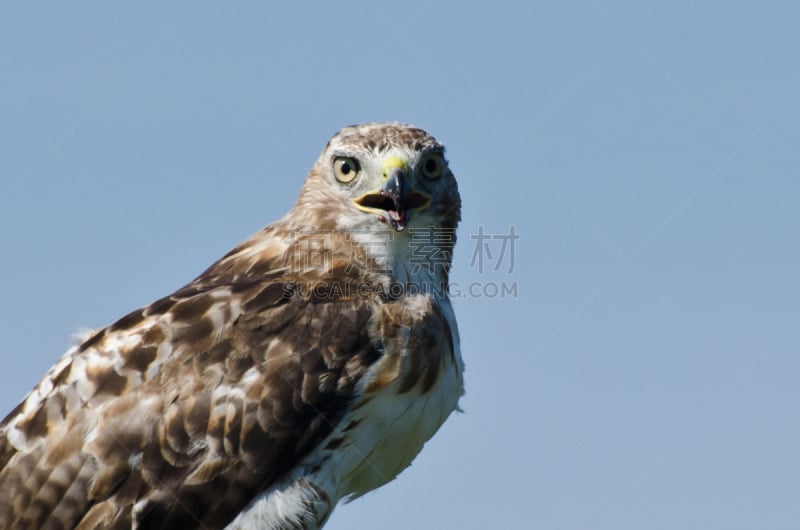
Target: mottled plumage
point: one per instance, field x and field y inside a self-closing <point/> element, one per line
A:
<point x="308" y="365"/>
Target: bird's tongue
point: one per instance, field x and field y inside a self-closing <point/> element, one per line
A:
<point x="398" y="220"/>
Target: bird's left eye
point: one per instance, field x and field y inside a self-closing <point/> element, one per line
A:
<point x="432" y="165"/>
<point x="345" y="169"/>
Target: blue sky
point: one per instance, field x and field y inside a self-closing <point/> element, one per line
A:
<point x="643" y="374"/>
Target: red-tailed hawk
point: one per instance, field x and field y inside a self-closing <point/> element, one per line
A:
<point x="308" y="365"/>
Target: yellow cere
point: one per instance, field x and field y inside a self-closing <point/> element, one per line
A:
<point x="391" y="163"/>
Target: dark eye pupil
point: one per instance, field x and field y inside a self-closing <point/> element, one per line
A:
<point x="345" y="168"/>
<point x="431" y="165"/>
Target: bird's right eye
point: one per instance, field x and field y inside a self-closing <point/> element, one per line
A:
<point x="345" y="168"/>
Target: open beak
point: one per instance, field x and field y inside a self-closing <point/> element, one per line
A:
<point x="394" y="200"/>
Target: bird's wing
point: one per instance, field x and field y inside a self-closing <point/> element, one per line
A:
<point x="177" y="414"/>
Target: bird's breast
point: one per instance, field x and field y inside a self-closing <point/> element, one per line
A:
<point x="406" y="397"/>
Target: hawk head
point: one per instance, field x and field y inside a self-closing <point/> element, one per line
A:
<point x="378" y="177"/>
<point x="388" y="186"/>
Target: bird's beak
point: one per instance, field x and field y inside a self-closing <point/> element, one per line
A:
<point x="394" y="200"/>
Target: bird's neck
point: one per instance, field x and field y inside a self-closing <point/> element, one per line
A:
<point x="409" y="260"/>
